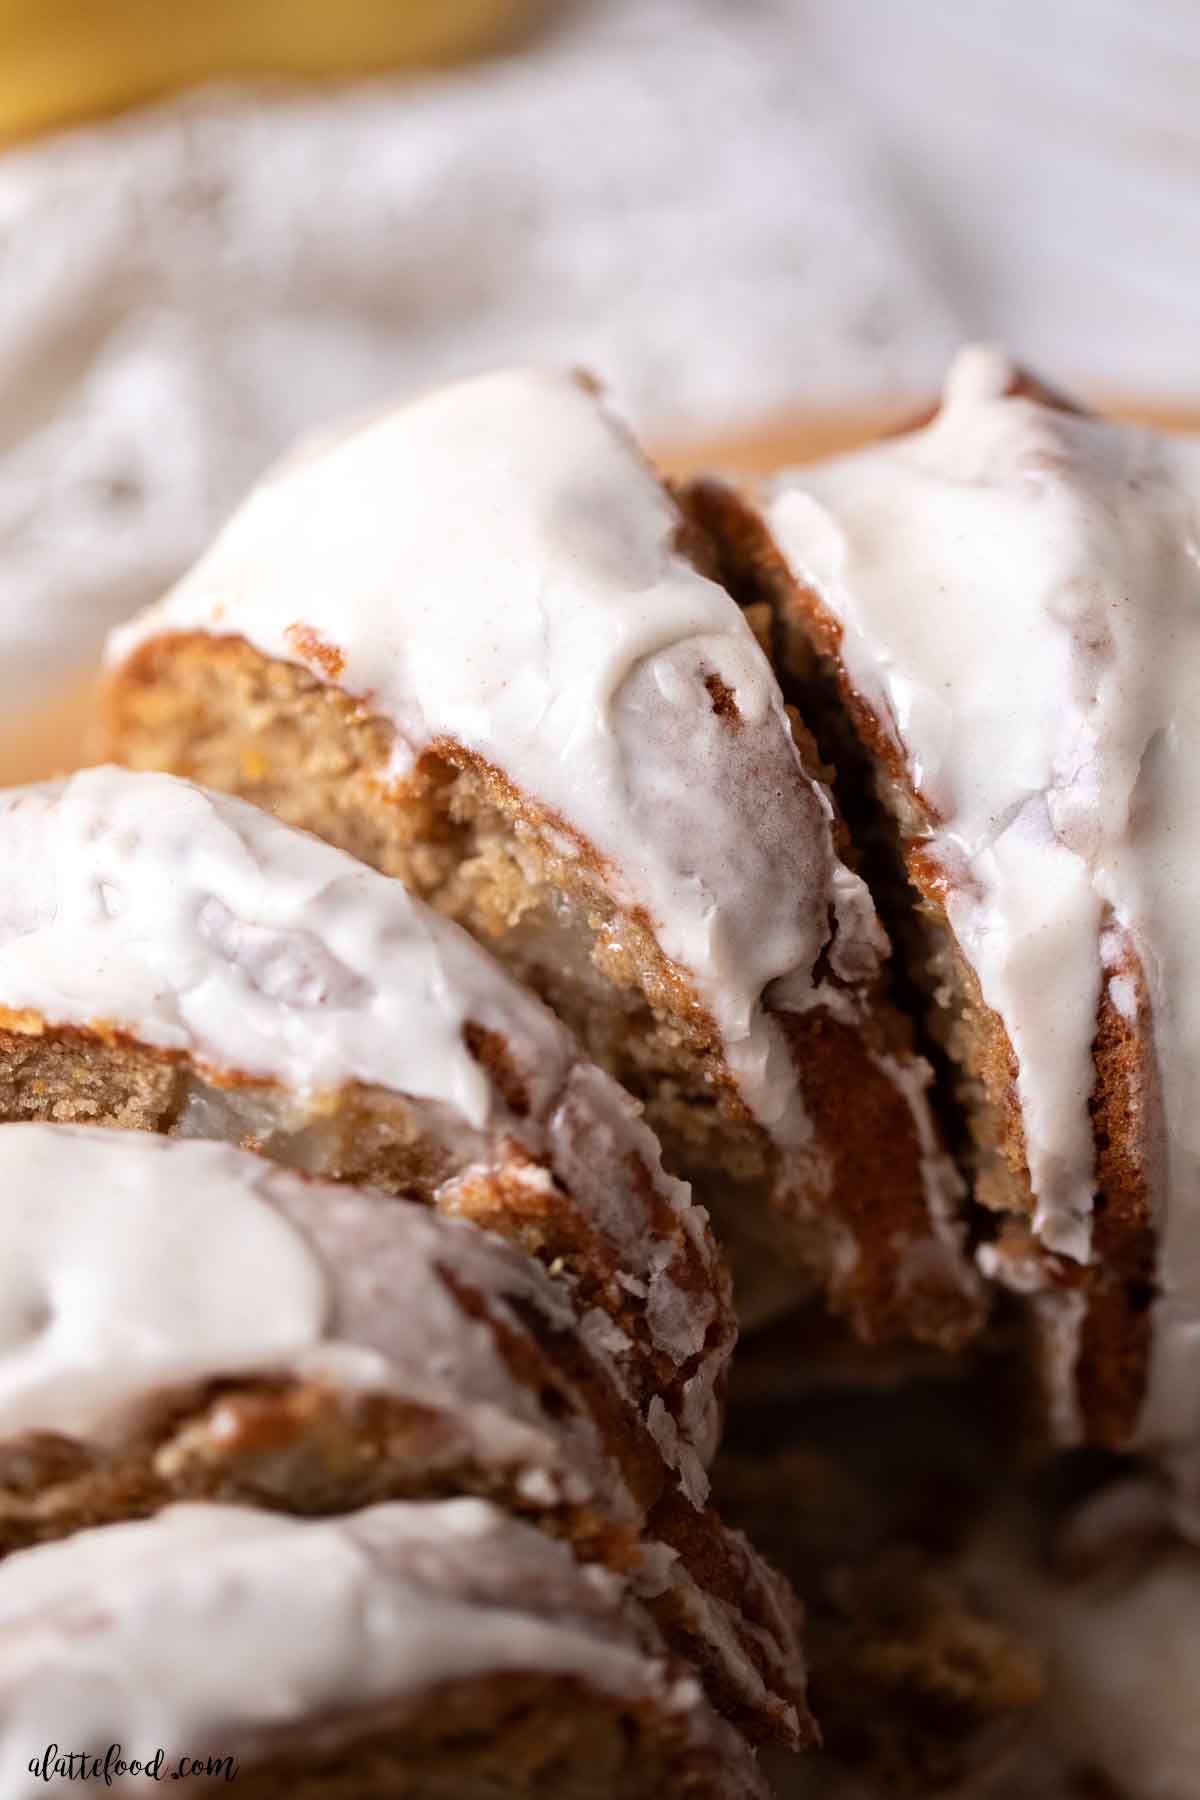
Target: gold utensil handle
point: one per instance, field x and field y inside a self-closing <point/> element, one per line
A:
<point x="65" y="60"/>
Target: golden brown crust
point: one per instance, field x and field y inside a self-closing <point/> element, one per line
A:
<point x="1114" y="1348"/>
<point x="311" y="648"/>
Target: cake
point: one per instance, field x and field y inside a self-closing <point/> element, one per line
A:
<point x="183" y="1320"/>
<point x="180" y="962"/>
<point x="476" y="644"/>
<point x="994" y="622"/>
<point x="436" y="1650"/>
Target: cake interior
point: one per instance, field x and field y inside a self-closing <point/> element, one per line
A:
<point x="455" y="833"/>
<point x="510" y="1737"/>
<point x="364" y="1136"/>
<point x="218" y="712"/>
<point x="281" y="1443"/>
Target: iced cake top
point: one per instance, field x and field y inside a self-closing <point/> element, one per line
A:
<point x="135" y="1267"/>
<point x="142" y="906"/>
<point x="496" y="564"/>
<point x="221" y="1628"/>
<point x="1017" y="587"/>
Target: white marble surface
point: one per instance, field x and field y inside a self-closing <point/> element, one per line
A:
<point x="723" y="208"/>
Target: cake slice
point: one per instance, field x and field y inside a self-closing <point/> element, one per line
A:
<point x="994" y="621"/>
<point x="475" y="644"/>
<point x="439" y="1651"/>
<point x="179" y="962"/>
<point x="183" y="1320"/>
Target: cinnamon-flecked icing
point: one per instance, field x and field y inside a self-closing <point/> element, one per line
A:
<point x="1018" y="591"/>
<point x="134" y="1267"/>
<point x="216" y="1630"/>
<point x="495" y="564"/>
<point x="190" y="921"/>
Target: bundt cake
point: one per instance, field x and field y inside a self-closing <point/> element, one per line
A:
<point x="993" y="623"/>
<point x="183" y="1320"/>
<point x="180" y="962"/>
<point x="436" y="1650"/>
<point x="476" y="644"/>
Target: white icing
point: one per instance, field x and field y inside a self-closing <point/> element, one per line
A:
<point x="498" y="566"/>
<point x="128" y="1266"/>
<point x="196" y="923"/>
<point x="133" y="1266"/>
<point x="1019" y="595"/>
<point x="200" y="924"/>
<point x="213" y="1628"/>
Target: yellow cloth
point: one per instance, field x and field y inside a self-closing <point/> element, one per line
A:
<point x="63" y="60"/>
